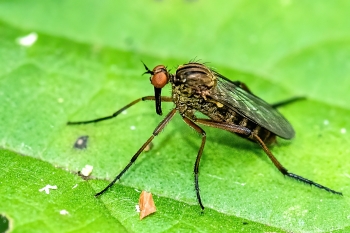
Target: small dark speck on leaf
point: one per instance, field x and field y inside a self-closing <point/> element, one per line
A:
<point x="245" y="223"/>
<point x="81" y="142"/>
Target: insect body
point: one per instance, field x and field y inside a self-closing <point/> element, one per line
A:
<point x="229" y="105"/>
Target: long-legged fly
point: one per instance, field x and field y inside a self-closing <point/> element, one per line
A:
<point x="229" y="105"/>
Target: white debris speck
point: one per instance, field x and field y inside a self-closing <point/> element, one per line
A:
<point x="343" y="130"/>
<point x="132" y="127"/>
<point x="64" y="212"/>
<point x="60" y="100"/>
<point x="137" y="207"/>
<point x="28" y="40"/>
<point x="47" y="188"/>
<point x="76" y="185"/>
<point x="86" y="171"/>
<point x="124" y="112"/>
<point x="326" y="122"/>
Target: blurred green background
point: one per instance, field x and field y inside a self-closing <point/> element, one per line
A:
<point x="86" y="63"/>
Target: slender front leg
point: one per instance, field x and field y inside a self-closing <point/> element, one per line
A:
<point x="248" y="133"/>
<point x="163" y="98"/>
<point x="156" y="131"/>
<point x="199" y="155"/>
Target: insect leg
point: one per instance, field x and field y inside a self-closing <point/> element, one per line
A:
<point x="199" y="155"/>
<point x="156" y="131"/>
<point x="228" y="127"/>
<point x="288" y="101"/>
<point x="247" y="132"/>
<point x="285" y="172"/>
<point x="163" y="98"/>
<point x="232" y="128"/>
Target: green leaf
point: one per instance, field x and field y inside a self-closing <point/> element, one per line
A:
<point x="86" y="64"/>
<point x="72" y="208"/>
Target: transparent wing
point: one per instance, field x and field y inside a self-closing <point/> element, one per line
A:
<point x="251" y="106"/>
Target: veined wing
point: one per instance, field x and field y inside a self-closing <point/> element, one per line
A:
<point x="251" y="106"/>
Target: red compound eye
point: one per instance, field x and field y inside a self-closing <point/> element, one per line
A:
<point x="160" y="76"/>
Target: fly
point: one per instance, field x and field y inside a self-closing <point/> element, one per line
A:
<point x="229" y="105"/>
